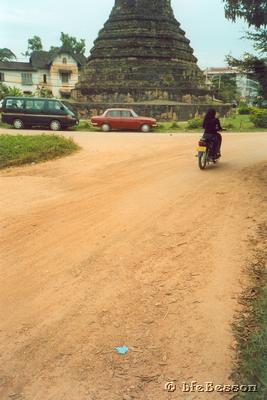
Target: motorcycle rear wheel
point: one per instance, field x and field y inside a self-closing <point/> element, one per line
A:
<point x="202" y="159"/>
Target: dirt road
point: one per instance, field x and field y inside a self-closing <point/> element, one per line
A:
<point x="126" y="243"/>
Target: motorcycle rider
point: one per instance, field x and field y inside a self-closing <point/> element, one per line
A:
<point x="212" y="127"/>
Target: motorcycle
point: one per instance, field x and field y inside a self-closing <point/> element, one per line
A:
<point x="204" y="153"/>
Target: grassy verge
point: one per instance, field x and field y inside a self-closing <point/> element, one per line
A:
<point x="235" y="123"/>
<point x="85" y="126"/>
<point x="251" y="330"/>
<point x="17" y="150"/>
<point x="3" y="125"/>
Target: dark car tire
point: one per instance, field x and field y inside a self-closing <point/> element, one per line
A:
<point x="105" y="127"/>
<point x="55" y="125"/>
<point x="18" y="123"/>
<point x="145" y="128"/>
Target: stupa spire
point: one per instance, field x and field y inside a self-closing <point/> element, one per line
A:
<point x="140" y="54"/>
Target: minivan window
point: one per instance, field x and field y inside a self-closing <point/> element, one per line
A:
<point x="54" y="106"/>
<point x="37" y="105"/>
<point x="14" y="104"/>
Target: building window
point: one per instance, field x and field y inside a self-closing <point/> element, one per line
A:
<point x="64" y="60"/>
<point x="65" y="77"/>
<point x="44" y="78"/>
<point x="65" y="95"/>
<point x="26" y="78"/>
<point x="2" y="77"/>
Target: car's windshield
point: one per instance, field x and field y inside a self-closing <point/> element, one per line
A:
<point x="134" y="114"/>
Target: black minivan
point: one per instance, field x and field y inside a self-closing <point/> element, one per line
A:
<point x="24" y="112"/>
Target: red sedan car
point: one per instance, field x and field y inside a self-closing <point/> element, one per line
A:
<point x="123" y="118"/>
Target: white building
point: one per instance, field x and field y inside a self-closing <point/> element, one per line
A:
<point x="56" y="71"/>
<point x="247" y="88"/>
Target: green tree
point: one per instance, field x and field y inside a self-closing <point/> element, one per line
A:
<point x="3" y="90"/>
<point x="71" y="43"/>
<point x="259" y="37"/>
<point x="224" y="87"/>
<point x="34" y="44"/>
<point x="7" y="55"/>
<point x="254" y="12"/>
<point x="255" y="66"/>
<point x="9" y="91"/>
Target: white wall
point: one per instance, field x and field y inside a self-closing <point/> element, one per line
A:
<point x="13" y="79"/>
<point x="55" y="75"/>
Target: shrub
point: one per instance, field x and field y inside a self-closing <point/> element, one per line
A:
<point x="259" y="117"/>
<point x="244" y="109"/>
<point x="43" y="93"/>
<point x="174" y="125"/>
<point x="3" y="91"/>
<point x="194" y="123"/>
<point x="229" y="125"/>
<point x="13" y="91"/>
<point x="9" y="91"/>
<point x="84" y="125"/>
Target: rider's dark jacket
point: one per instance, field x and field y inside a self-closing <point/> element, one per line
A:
<point x="212" y="126"/>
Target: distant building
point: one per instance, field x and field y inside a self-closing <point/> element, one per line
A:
<point x="247" y="88"/>
<point x="56" y="71"/>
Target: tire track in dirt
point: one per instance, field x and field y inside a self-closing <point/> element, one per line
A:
<point x="136" y="248"/>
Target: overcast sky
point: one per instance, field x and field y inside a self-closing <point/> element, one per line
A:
<point x="211" y="35"/>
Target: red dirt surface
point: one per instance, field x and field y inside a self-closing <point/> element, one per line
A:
<point x="125" y="243"/>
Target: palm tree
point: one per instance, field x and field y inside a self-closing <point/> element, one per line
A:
<point x="7" y="55"/>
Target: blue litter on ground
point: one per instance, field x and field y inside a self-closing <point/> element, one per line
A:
<point x="122" y="350"/>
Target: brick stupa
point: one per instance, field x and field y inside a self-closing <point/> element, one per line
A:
<point x="141" y="54"/>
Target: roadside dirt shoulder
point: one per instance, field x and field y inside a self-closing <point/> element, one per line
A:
<point x="126" y="243"/>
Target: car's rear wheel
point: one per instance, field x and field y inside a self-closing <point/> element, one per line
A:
<point x="145" y="128"/>
<point x="55" y="125"/>
<point x="105" y="127"/>
<point x="18" y="124"/>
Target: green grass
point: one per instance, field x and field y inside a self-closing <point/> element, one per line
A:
<point x="251" y="333"/>
<point x="19" y="149"/>
<point x="3" y="125"/>
<point x="85" y="126"/>
<point x="235" y="123"/>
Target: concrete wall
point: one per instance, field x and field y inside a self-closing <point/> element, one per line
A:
<point x="162" y="112"/>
